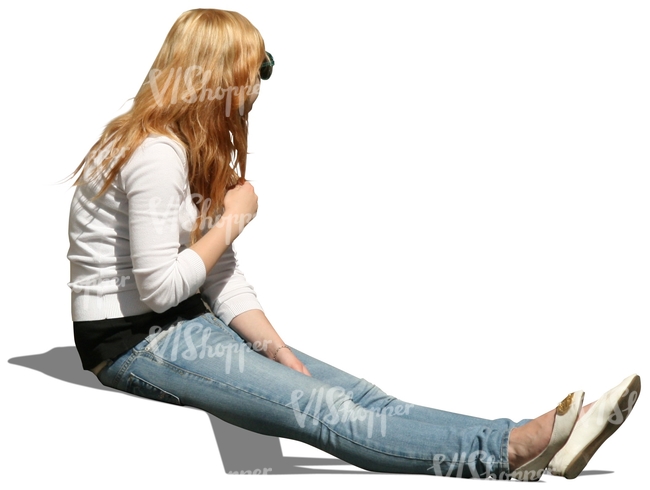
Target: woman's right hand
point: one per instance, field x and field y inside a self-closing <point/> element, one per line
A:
<point x="239" y="208"/>
<point x="240" y="203"/>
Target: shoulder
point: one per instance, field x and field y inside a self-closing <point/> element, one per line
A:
<point x="157" y="156"/>
<point x="159" y="146"/>
<point x="158" y="141"/>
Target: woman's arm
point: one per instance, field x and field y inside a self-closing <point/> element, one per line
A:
<point x="253" y="326"/>
<point x="226" y="289"/>
<point x="240" y="206"/>
<point x="155" y="185"/>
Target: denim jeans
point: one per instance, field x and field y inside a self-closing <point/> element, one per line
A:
<point x="204" y="364"/>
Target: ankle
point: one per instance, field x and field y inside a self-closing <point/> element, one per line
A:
<point x="515" y="457"/>
<point x="529" y="440"/>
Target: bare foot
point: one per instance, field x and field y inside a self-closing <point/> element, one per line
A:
<point x="529" y="440"/>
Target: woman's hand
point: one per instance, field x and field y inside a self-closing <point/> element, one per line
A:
<point x="254" y="327"/>
<point x="289" y="359"/>
<point x="241" y="201"/>
<point x="240" y="207"/>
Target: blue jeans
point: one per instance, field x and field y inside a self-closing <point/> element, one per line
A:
<point x="204" y="364"/>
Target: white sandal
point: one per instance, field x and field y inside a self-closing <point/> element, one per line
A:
<point x="593" y="428"/>
<point x="566" y="415"/>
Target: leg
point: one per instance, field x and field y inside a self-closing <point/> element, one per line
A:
<point x="440" y="429"/>
<point x="204" y="364"/>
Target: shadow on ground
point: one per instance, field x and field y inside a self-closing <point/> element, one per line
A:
<point x="240" y="449"/>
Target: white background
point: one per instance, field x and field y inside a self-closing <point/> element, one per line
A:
<point x="453" y="204"/>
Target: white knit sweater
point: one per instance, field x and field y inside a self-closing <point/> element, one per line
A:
<point x="128" y="248"/>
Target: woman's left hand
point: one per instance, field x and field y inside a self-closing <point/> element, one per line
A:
<point x="289" y="359"/>
<point x="254" y="327"/>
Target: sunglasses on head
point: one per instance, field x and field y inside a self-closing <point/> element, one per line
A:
<point x="267" y="67"/>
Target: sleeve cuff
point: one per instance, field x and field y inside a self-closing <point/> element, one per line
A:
<point x="236" y="306"/>
<point x="194" y="268"/>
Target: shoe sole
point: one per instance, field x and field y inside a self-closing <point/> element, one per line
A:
<point x="575" y="467"/>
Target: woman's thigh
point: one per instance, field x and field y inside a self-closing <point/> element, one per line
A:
<point x="205" y="364"/>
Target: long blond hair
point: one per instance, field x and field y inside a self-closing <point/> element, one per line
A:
<point x="197" y="92"/>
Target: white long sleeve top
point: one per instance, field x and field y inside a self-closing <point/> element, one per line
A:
<point x="129" y="247"/>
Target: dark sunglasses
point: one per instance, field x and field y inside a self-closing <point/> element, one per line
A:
<point x="267" y="67"/>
